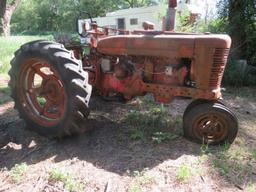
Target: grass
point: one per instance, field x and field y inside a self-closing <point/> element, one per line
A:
<point x="184" y="173"/>
<point x="141" y="179"/>
<point x="251" y="187"/>
<point x="152" y="123"/>
<point x="41" y="100"/>
<point x="8" y="45"/>
<point x="160" y="137"/>
<point x="18" y="171"/>
<point x="70" y="182"/>
<point x="253" y="154"/>
<point x="6" y="90"/>
<point x="234" y="163"/>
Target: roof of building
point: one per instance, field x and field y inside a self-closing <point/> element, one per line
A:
<point x="140" y="10"/>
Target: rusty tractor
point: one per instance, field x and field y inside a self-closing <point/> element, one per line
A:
<point x="52" y="84"/>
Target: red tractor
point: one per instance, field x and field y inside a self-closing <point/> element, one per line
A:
<point x="52" y="84"/>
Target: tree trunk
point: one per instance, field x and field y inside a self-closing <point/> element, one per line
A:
<point x="6" y="11"/>
<point x="2" y="11"/>
<point x="237" y="22"/>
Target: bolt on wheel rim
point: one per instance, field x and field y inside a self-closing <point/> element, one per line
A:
<point x="211" y="128"/>
<point x="41" y="92"/>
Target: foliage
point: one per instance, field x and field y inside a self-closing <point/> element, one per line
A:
<point x="241" y="25"/>
<point x="141" y="179"/>
<point x="70" y="183"/>
<point x="18" y="171"/>
<point x="183" y="24"/>
<point x="184" y="173"/>
<point x="35" y="16"/>
<point x="145" y="123"/>
<point x="237" y="76"/>
<point x="7" y="8"/>
<point x="160" y="137"/>
<point x="234" y="163"/>
<point x="138" y="3"/>
<point x="253" y="154"/>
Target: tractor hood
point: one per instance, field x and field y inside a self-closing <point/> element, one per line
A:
<point x="164" y="45"/>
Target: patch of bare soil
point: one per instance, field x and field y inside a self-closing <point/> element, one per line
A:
<point x="109" y="159"/>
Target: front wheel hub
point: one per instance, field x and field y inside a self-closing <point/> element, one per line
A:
<point x="42" y="92"/>
<point x="210" y="127"/>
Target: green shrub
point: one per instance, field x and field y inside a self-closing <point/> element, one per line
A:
<point x="235" y="76"/>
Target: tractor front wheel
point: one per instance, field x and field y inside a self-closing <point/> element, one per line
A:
<point x="210" y="123"/>
<point x="50" y="89"/>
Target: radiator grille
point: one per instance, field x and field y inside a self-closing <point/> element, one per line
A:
<point x="219" y="62"/>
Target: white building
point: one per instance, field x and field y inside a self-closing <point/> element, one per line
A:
<point x="132" y="19"/>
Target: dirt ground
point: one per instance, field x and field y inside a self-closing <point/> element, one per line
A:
<point x="110" y="159"/>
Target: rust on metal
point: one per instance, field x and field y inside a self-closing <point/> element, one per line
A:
<point x="41" y="92"/>
<point x="166" y="64"/>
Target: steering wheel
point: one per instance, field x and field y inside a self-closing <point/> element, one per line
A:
<point x="80" y="17"/>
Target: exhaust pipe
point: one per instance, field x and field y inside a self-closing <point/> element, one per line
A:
<point x="170" y="17"/>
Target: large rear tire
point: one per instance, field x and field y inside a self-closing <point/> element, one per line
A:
<point x="210" y="123"/>
<point x="50" y="89"/>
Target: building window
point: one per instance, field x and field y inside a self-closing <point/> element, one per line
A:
<point x="134" y="21"/>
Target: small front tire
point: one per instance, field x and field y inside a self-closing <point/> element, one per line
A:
<point x="210" y="123"/>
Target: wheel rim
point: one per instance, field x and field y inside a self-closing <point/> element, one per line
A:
<point x="41" y="92"/>
<point x="211" y="127"/>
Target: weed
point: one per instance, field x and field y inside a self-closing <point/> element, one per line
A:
<point x="70" y="183"/>
<point x="141" y="178"/>
<point x="202" y="159"/>
<point x="149" y="123"/>
<point x="204" y="148"/>
<point x="226" y="146"/>
<point x="135" y="188"/>
<point x="254" y="154"/>
<point x="3" y="100"/>
<point x="179" y="120"/>
<point x="160" y="137"/>
<point x="148" y="100"/>
<point x="184" y="173"/>
<point x="5" y="90"/>
<point x="58" y="175"/>
<point x="251" y="187"/>
<point x="137" y="134"/>
<point x="238" y="153"/>
<point x="18" y="171"/>
<point x="41" y="100"/>
<point x="221" y="166"/>
<point x="234" y="163"/>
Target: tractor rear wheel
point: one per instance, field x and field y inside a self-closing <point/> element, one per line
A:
<point x="50" y="89"/>
<point x="210" y="123"/>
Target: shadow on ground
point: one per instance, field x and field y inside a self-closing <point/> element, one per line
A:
<point x="108" y="146"/>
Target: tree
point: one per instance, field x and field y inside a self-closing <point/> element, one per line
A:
<point x="60" y="15"/>
<point x="6" y="10"/>
<point x="140" y="3"/>
<point x="240" y="16"/>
